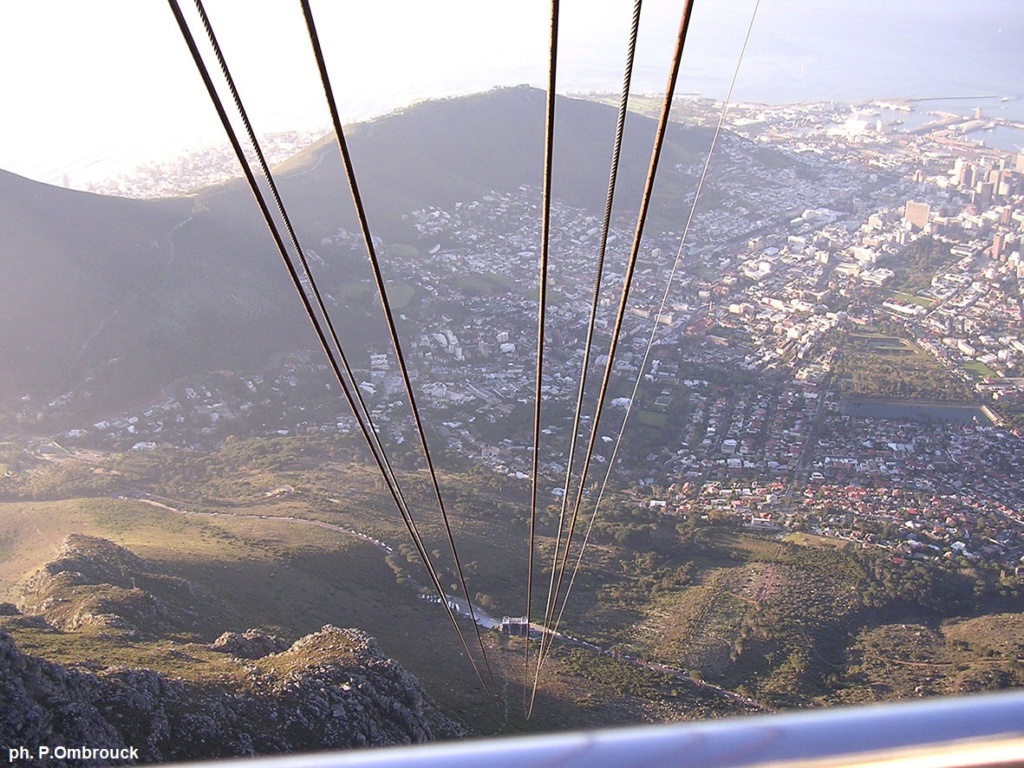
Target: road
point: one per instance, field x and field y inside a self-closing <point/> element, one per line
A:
<point x="146" y="499"/>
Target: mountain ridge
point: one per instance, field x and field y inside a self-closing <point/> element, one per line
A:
<point x="108" y="300"/>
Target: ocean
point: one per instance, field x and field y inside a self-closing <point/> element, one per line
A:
<point x="147" y="101"/>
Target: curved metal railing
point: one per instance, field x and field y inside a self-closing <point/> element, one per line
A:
<point x="985" y="730"/>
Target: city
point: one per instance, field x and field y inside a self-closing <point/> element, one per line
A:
<point x="839" y="350"/>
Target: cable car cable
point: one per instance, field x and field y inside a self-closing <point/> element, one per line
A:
<point x="542" y="300"/>
<point x="661" y="309"/>
<point x="599" y="267"/>
<point x="388" y="314"/>
<point x="645" y="201"/>
<point x="279" y="242"/>
<point x="542" y="289"/>
<point x="602" y="248"/>
<point x="300" y="253"/>
<point x="363" y="412"/>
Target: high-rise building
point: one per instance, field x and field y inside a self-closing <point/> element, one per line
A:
<point x="998" y="242"/>
<point x="1004" y="185"/>
<point x="916" y="214"/>
<point x="965" y="175"/>
<point x="982" y="195"/>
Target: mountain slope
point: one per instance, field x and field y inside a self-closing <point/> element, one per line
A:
<point x="332" y="689"/>
<point x="69" y="260"/>
<point x="113" y="298"/>
<point x="105" y="300"/>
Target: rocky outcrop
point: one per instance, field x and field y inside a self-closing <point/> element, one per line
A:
<point x="96" y="583"/>
<point x="251" y="644"/>
<point x="333" y="689"/>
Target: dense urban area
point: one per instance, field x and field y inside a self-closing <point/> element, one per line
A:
<point x="838" y="349"/>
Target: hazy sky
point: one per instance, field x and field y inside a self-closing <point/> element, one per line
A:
<point x="85" y="82"/>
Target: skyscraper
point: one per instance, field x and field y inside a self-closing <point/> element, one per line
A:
<point x="917" y="214"/>
<point x="998" y="242"/>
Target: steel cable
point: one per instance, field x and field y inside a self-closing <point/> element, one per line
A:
<point x="296" y="281"/>
<point x="388" y="313"/>
<point x="645" y="202"/>
<point x="661" y="309"/>
<point x="549" y="146"/>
